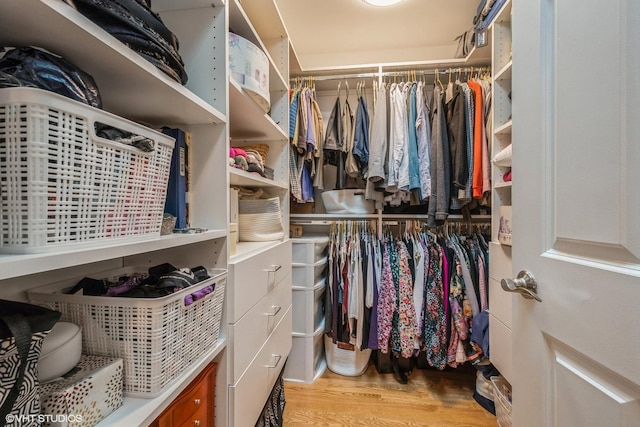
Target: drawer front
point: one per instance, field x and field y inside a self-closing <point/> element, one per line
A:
<point x="248" y="396"/>
<point x="501" y="347"/>
<point x="192" y="402"/>
<point x="499" y="261"/>
<point x="249" y="334"/>
<point x="500" y="302"/>
<point x="254" y="277"/>
<point x="200" y="418"/>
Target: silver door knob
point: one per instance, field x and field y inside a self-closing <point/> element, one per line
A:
<point x="525" y="284"/>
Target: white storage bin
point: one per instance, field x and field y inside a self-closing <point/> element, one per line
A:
<point x="306" y="359"/>
<point x="310" y="249"/>
<point x="347" y="202"/>
<point x="63" y="185"/>
<point x="307" y="275"/>
<point x="308" y="305"/>
<point x="349" y="363"/>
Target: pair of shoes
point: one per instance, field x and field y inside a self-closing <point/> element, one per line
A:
<point x="397" y="373"/>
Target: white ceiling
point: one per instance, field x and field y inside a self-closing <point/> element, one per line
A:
<point x="333" y="34"/>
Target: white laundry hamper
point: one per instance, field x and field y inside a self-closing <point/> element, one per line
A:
<point x="350" y="363"/>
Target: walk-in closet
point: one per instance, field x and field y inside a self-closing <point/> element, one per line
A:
<point x="240" y="213"/>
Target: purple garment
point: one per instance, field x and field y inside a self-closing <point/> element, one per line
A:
<point x="445" y="282"/>
<point x="307" y="184"/>
<point x="133" y="281"/>
<point x="311" y="139"/>
<point x="373" y="327"/>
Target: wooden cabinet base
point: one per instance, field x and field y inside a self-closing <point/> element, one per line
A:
<point x="195" y="405"/>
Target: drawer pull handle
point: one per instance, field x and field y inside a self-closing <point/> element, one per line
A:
<point x="274" y="268"/>
<point x="196" y="401"/>
<point x="278" y="357"/>
<point x="276" y="310"/>
<point x="196" y="422"/>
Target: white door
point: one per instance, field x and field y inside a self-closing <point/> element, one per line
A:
<point x="576" y="212"/>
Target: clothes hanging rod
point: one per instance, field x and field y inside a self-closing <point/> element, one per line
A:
<point x="327" y="219"/>
<point x="424" y="72"/>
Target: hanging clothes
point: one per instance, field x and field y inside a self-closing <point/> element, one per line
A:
<point x="414" y="295"/>
<point x="440" y="164"/>
<point x="423" y="140"/>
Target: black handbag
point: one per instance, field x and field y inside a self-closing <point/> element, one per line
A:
<point x="137" y="26"/>
<point x="23" y="328"/>
<point x="34" y="67"/>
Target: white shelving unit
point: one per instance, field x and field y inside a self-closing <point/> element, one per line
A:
<point x="500" y="258"/>
<point x="259" y="298"/>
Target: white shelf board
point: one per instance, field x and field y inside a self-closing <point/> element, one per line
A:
<point x="501" y="185"/>
<point x="504" y="15"/>
<point x="139" y="412"/>
<point x="246" y="250"/>
<point x="129" y="85"/>
<point x="505" y="72"/>
<point x="241" y="25"/>
<point x="245" y="179"/>
<point x="170" y="5"/>
<point x="504" y="128"/>
<point x="247" y="120"/>
<point x="25" y="264"/>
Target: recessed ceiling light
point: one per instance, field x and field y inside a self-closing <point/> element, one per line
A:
<point x="381" y="2"/>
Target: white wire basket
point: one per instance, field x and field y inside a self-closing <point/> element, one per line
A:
<point x="61" y="184"/>
<point x="157" y="338"/>
<point x="502" y="401"/>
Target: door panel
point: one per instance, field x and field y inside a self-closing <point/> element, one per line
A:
<point x="577" y="380"/>
<point x="576" y="212"/>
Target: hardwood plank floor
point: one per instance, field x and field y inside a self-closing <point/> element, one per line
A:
<point x="430" y="399"/>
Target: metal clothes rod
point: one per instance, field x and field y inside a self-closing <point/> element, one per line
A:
<point x="390" y="74"/>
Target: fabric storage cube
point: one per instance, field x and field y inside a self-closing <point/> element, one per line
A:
<point x="306" y="359"/>
<point x="349" y="363"/>
<point x="61" y="184"/>
<point x="157" y="338"/>
<point x="84" y="396"/>
<point x="309" y="249"/>
<point x="308" y="308"/>
<point x="308" y="275"/>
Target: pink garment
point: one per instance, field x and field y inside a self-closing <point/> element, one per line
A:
<point x="233" y="152"/>
<point x="482" y="280"/>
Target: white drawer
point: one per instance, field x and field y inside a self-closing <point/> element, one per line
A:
<point x="499" y="261"/>
<point x="248" y="396"/>
<point x="500" y="302"/>
<point x="252" y="278"/>
<point x="501" y="347"/>
<point x="248" y="334"/>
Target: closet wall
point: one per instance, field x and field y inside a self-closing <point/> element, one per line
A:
<point x="498" y="136"/>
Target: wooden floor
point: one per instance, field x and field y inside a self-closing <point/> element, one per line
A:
<point x="430" y="399"/>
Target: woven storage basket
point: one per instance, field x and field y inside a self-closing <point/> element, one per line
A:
<point x="262" y="149"/>
<point x="260" y="220"/>
<point x="61" y="184"/>
<point x="157" y="338"/>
